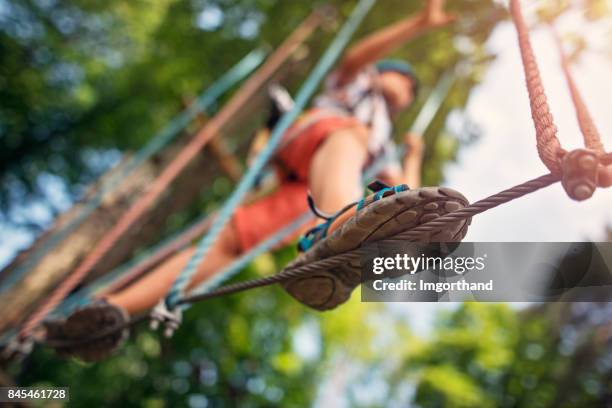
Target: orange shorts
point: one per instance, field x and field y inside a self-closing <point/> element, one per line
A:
<point x="257" y="221"/>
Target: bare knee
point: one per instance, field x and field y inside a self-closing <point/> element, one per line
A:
<point x="335" y="172"/>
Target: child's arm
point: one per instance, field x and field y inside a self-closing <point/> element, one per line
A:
<point x="410" y="171"/>
<point x="379" y="44"/>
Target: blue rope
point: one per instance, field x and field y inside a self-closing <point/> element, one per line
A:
<point x="302" y="98"/>
<point x="243" y="68"/>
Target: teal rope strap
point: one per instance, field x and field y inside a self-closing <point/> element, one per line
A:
<point x="434" y="101"/>
<point x="240" y="71"/>
<point x="305" y="93"/>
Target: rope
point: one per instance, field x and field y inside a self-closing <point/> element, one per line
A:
<point x="283" y="276"/>
<point x="481" y="206"/>
<point x="307" y="90"/>
<point x="153" y="146"/>
<point x="180" y="162"/>
<point x="290" y="272"/>
<point x="434" y="102"/>
<point x="592" y="139"/>
<point x="549" y="148"/>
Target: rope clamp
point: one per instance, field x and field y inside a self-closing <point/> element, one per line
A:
<point x="580" y="173"/>
<point x="171" y="319"/>
<point x="18" y="348"/>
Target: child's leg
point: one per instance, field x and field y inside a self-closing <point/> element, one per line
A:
<point x="147" y="291"/>
<point x="334" y="181"/>
<point x="250" y="225"/>
<point x="335" y="171"/>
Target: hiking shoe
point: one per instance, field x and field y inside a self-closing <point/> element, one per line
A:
<point x="94" y="319"/>
<point x="383" y="215"/>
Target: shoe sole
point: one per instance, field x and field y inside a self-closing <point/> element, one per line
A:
<point x="378" y="220"/>
<point x="88" y="321"/>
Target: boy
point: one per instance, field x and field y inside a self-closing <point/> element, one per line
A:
<point x="324" y="154"/>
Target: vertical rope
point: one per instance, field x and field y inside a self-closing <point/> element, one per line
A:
<point x="592" y="139"/>
<point x="307" y="90"/>
<point x="549" y="148"/>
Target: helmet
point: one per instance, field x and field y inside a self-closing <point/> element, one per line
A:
<point x="401" y="67"/>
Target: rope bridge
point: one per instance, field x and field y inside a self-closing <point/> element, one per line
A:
<point x="581" y="171"/>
